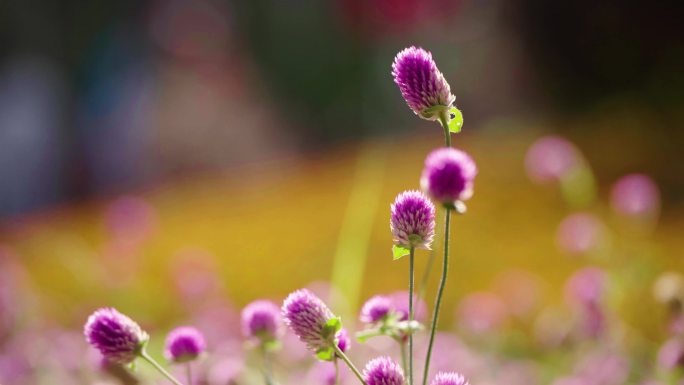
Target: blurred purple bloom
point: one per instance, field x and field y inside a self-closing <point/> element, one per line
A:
<point x="585" y="286"/>
<point x="412" y="220"/>
<point x="551" y="158"/>
<point x="307" y="316"/>
<point x="343" y="341"/>
<point x="579" y="233"/>
<point x="183" y="344"/>
<point x="383" y="371"/>
<point x="448" y="175"/>
<point x="482" y="312"/>
<point x="261" y="320"/>
<point x="116" y="336"/>
<point x="449" y="378"/>
<point x="323" y="373"/>
<point x="604" y="368"/>
<point x="671" y="354"/>
<point x="400" y="305"/>
<point x="585" y="289"/>
<point x="635" y="195"/>
<point x="375" y="309"/>
<point x="420" y="82"/>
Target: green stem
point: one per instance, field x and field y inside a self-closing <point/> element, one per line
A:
<point x="188" y="372"/>
<point x="268" y="376"/>
<point x="146" y="357"/>
<point x="337" y="371"/>
<point x="411" y="316"/>
<point x="402" y="348"/>
<point x="443" y="118"/>
<point x="351" y="366"/>
<point x="440" y="291"/>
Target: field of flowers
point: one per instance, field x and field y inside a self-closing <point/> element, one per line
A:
<point x="286" y="271"/>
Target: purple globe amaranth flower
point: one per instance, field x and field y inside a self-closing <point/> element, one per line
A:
<point x="448" y="175"/>
<point x="307" y="316"/>
<point x="117" y="337"/>
<point x="375" y="309"/>
<point x="449" y="378"/>
<point x="383" y="371"/>
<point x="412" y="220"/>
<point x="184" y="344"/>
<point x="421" y="84"/>
<point x="343" y="340"/>
<point x="261" y="320"/>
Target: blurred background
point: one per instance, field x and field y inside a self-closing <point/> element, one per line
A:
<point x="178" y="159"/>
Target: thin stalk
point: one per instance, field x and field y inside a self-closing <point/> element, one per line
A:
<point x="351" y="366"/>
<point x="146" y="357"/>
<point x="337" y="371"/>
<point x="402" y="348"/>
<point x="440" y="291"/>
<point x="268" y="375"/>
<point x="411" y="316"/>
<point x="188" y="372"/>
<point x="445" y="124"/>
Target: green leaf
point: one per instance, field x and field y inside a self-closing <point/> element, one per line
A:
<point x="399" y="251"/>
<point x="331" y="328"/>
<point x="325" y="354"/>
<point x="455" y="120"/>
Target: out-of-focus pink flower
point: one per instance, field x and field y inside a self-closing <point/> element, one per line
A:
<point x="225" y="371"/>
<point x="585" y="290"/>
<point x="520" y="290"/>
<point x="551" y="158"/>
<point x="323" y="373"/>
<point x="605" y="368"/>
<point x="571" y="381"/>
<point x="671" y="354"/>
<point x="635" y="195"/>
<point x="580" y="233"/>
<point x="194" y="276"/>
<point x="130" y="219"/>
<point x="482" y="312"/>
<point x="400" y="302"/>
<point x="585" y="286"/>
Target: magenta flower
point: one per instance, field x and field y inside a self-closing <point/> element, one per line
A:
<point x="375" y="309"/>
<point x="400" y="305"/>
<point x="383" y="371"/>
<point x="448" y="175"/>
<point x="551" y="158"/>
<point x="449" y="378"/>
<point x="184" y="344"/>
<point x="412" y="220"/>
<point x="635" y="195"/>
<point x="307" y="316"/>
<point x="117" y="337"/>
<point x="420" y="82"/>
<point x="261" y="320"/>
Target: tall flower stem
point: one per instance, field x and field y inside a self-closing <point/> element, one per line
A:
<point x="188" y="372"/>
<point x="148" y="358"/>
<point x="351" y="366"/>
<point x="411" y="316"/>
<point x="444" y="120"/>
<point x="404" y="362"/>
<point x="268" y="375"/>
<point x="337" y="371"/>
<point x="440" y="291"/>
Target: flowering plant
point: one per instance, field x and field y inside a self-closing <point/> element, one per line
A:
<point x="447" y="179"/>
